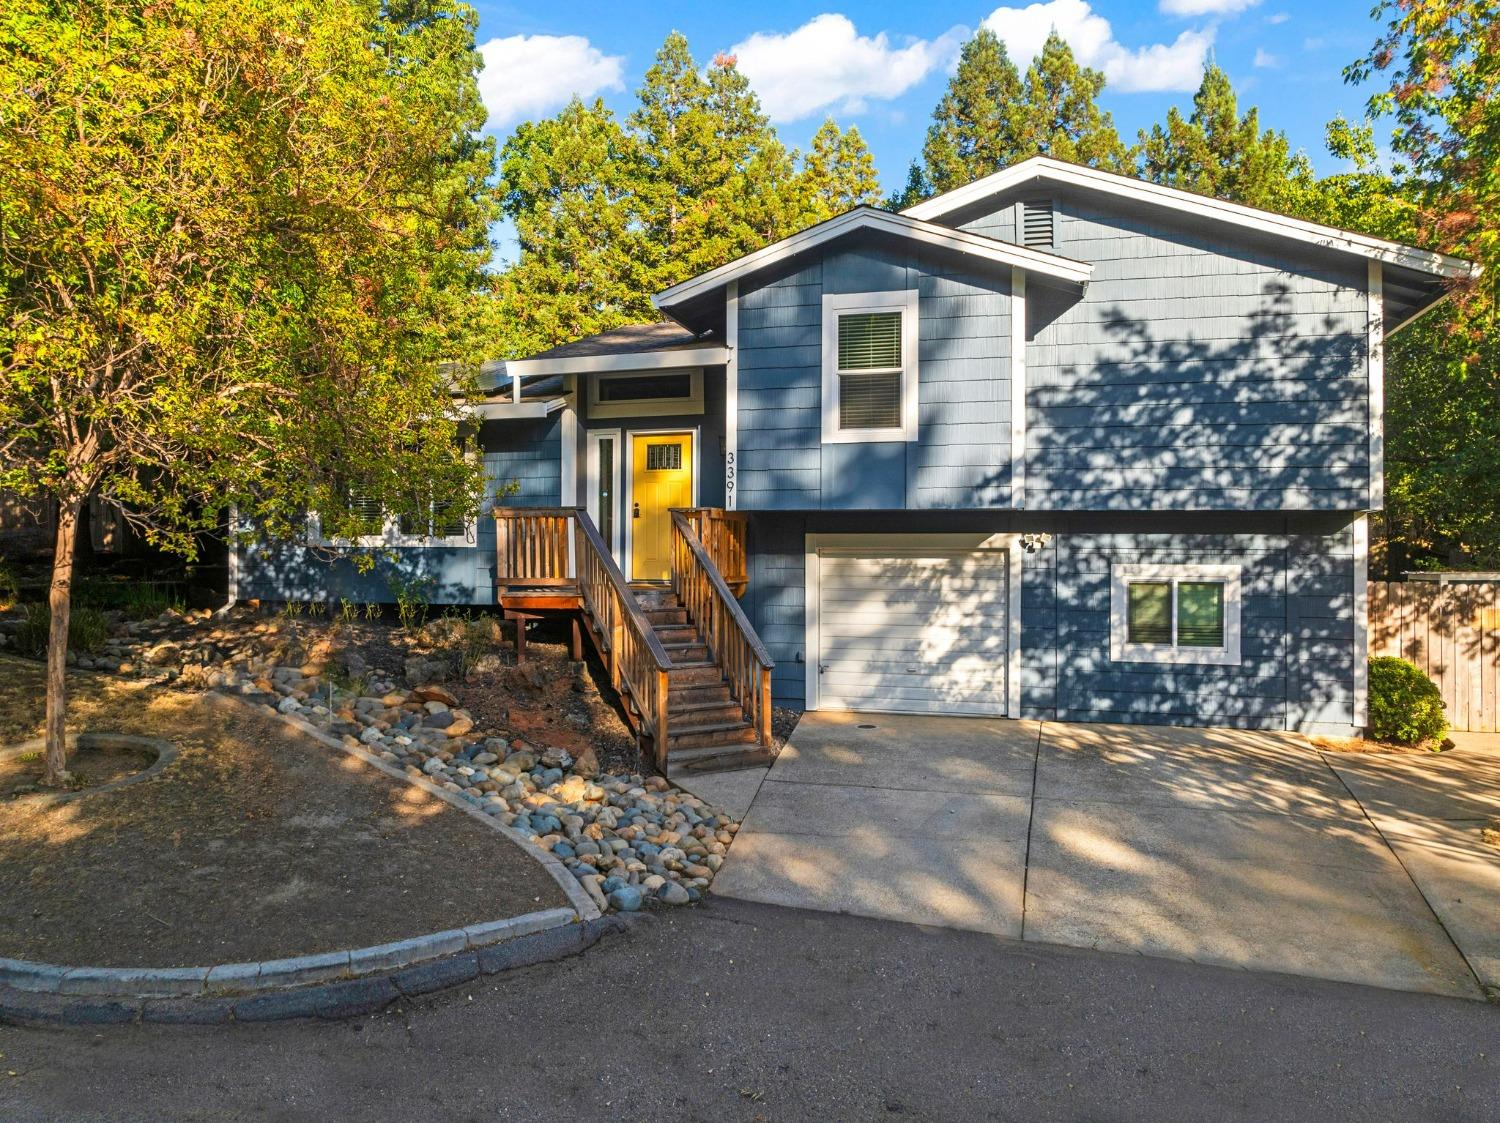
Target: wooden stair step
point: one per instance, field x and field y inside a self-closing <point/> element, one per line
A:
<point x="722" y="758"/>
<point x="710" y="733"/>
<point x="726" y="706"/>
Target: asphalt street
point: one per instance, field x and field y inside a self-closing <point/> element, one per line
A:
<point x="741" y="1011"/>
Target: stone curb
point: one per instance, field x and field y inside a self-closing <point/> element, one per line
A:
<point x="577" y="896"/>
<point x="331" y="999"/>
<point x="166" y="753"/>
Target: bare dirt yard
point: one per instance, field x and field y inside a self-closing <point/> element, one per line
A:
<point x="255" y="843"/>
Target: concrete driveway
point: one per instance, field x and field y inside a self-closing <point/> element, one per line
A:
<point x="1243" y="849"/>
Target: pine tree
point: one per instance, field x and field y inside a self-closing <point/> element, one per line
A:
<point x="1060" y="114"/>
<point x="566" y="184"/>
<point x="837" y="175"/>
<point x="913" y="192"/>
<point x="976" y="127"/>
<point x="1218" y="152"/>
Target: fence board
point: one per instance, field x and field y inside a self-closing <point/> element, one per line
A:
<point x="1452" y="632"/>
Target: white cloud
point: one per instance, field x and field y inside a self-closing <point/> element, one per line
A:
<point x="1205" y="7"/>
<point x="1177" y="65"/>
<point x="1278" y="17"/>
<point x="826" y="64"/>
<point x="1266" y="60"/>
<point x="527" y="75"/>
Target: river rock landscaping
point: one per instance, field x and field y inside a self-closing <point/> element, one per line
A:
<point x="526" y="751"/>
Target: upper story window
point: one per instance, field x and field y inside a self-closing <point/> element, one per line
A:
<point x="1175" y="614"/>
<point x="646" y="393"/>
<point x="870" y="366"/>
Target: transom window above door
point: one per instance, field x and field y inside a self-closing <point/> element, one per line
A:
<point x="870" y="366"/>
<point x="659" y="393"/>
<point x="1175" y="614"/>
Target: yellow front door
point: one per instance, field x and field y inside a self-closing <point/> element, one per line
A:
<point x="661" y="477"/>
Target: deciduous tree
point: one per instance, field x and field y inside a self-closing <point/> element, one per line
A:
<point x="236" y="244"/>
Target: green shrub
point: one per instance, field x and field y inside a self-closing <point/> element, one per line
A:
<point x="87" y="630"/>
<point x="10" y="591"/>
<point x="1405" y="706"/>
<point x="136" y="600"/>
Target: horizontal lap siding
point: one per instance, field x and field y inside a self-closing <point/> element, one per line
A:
<point x="1297" y="642"/>
<point x="962" y="458"/>
<point x="1195" y="373"/>
<point x="524" y="452"/>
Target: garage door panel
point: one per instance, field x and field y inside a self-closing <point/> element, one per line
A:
<point x="922" y="631"/>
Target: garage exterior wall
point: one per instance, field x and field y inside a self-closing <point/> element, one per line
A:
<point x="1298" y="648"/>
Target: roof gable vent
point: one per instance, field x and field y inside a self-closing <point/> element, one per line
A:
<point x="1036" y="223"/>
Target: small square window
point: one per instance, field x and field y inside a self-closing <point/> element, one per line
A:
<point x="1175" y="613"/>
<point x="663" y="458"/>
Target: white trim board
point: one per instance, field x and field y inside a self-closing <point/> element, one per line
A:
<point x="512" y="411"/>
<point x="1361" y="530"/>
<point x="1376" y="343"/>
<point x="1122" y="651"/>
<point x="707" y="355"/>
<point x="1018" y="388"/>
<point x="1044" y="168"/>
<point x="732" y="395"/>
<point x="646" y="407"/>
<point x="905" y="301"/>
<point x="902" y="226"/>
<point x="898" y="544"/>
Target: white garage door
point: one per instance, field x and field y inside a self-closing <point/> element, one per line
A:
<point x="916" y="631"/>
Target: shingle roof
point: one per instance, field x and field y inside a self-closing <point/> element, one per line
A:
<point x="628" y="340"/>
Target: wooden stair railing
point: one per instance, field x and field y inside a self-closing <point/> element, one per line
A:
<point x="702" y="590"/>
<point x="532" y="550"/>
<point x="531" y="545"/>
<point x="638" y="664"/>
<point x="723" y="534"/>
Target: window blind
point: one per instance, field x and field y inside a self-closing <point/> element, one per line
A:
<point x="1200" y="614"/>
<point x="869" y="340"/>
<point x="870" y="401"/>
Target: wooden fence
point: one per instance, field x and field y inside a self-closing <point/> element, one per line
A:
<point x="1451" y="631"/>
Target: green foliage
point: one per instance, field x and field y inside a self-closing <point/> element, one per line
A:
<point x="1216" y="151"/>
<point x="413" y="597"/>
<point x="978" y="126"/>
<point x="1405" y="706"/>
<point x="87" y="629"/>
<point x="10" y="589"/>
<point x="1441" y="62"/>
<point x="837" y="175"/>
<point x="990" y="116"/>
<point x="239" y="243"/>
<point x="608" y="212"/>
<point x="136" y="600"/>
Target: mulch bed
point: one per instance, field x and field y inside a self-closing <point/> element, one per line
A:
<point x="1361" y="745"/>
<point x="255" y="843"/>
<point x="90" y="768"/>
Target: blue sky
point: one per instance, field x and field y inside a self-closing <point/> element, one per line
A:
<point x="882" y="66"/>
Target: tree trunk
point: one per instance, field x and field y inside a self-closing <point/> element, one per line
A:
<point x="60" y="599"/>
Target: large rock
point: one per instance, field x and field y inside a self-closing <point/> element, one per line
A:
<point x="423" y="669"/>
<point x="434" y="694"/>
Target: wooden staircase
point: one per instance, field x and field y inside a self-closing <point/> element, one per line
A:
<point x="693" y="678"/>
<point x="707" y="728"/>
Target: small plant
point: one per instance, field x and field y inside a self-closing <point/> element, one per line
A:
<point x="1405" y="706"/>
<point x="372" y="612"/>
<point x="291" y="609"/>
<point x="348" y="611"/>
<point x="87" y="630"/>
<point x="136" y="600"/>
<point x="411" y="595"/>
<point x="10" y="590"/>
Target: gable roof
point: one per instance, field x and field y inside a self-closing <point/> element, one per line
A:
<point x="1049" y="170"/>
<point x="1044" y="265"/>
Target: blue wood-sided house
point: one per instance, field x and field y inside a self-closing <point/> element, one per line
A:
<point x="1057" y="444"/>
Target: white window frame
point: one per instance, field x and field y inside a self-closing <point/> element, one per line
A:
<point x="1121" y="650"/>
<point x="647" y="407"/>
<point x="844" y="304"/>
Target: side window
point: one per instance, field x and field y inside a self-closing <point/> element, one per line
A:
<point x="1175" y="613"/>
<point x="870" y="366"/>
